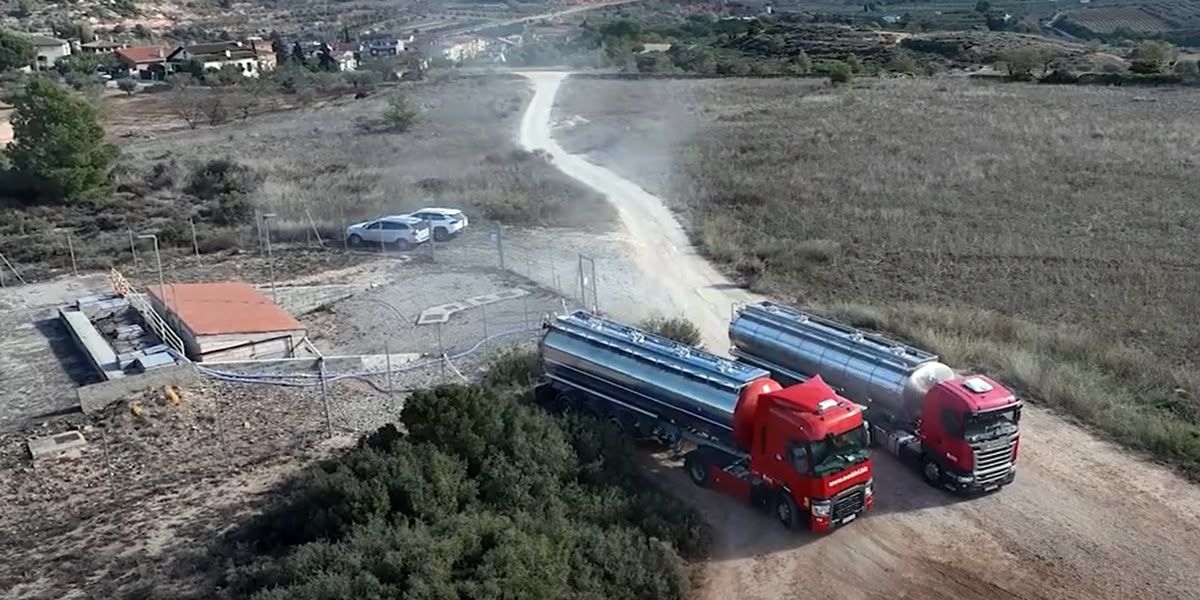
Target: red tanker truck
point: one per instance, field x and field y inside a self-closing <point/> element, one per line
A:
<point x="800" y="451"/>
<point x="961" y="430"/>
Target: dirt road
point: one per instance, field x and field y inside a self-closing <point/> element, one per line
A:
<point x="1084" y="520"/>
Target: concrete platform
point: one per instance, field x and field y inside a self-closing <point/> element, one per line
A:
<point x="442" y="312"/>
<point x="69" y="444"/>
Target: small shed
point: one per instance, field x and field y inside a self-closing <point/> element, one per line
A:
<point x="227" y="321"/>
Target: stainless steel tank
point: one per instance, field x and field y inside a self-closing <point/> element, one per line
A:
<point x="866" y="368"/>
<point x="654" y="376"/>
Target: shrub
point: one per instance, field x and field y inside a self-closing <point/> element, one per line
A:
<point x="675" y="328"/>
<point x="221" y="176"/>
<point x="399" y="114"/>
<point x="513" y="366"/>
<point x="485" y="497"/>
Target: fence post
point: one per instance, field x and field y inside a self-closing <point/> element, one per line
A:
<point x="132" y="248"/>
<point x="388" y="356"/>
<point x="195" y="243"/>
<point x="325" y="398"/>
<point x="441" y="351"/>
<point x="525" y="303"/>
<point x="71" y="249"/>
<point x="498" y="237"/>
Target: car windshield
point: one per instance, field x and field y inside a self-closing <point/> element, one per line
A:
<point x="992" y="424"/>
<point x="836" y="452"/>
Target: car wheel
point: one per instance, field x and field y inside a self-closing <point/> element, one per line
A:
<point x="440" y="234"/>
<point x="403" y="244"/>
<point x="354" y="240"/>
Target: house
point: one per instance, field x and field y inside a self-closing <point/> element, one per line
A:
<point x="48" y="50"/>
<point x="214" y="56"/>
<point x="384" y="46"/>
<point x="147" y="62"/>
<point x="655" y="47"/>
<point x="101" y="47"/>
<point x="460" y="48"/>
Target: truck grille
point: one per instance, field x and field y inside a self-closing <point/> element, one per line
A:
<point x="849" y="502"/>
<point x="993" y="460"/>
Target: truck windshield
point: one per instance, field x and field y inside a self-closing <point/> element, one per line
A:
<point x="836" y="452"/>
<point x="991" y="424"/>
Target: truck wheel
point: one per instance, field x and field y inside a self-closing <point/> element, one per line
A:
<point x="697" y="469"/>
<point x="785" y="510"/>
<point x="931" y="472"/>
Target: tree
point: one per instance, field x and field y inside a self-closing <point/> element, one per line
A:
<point x="399" y="114"/>
<point x="362" y="80"/>
<point x="16" y="51"/>
<point x="839" y="72"/>
<point x="298" y="53"/>
<point x="1021" y="62"/>
<point x="279" y="48"/>
<point x="186" y="99"/>
<point x="983" y="7"/>
<point x="326" y="60"/>
<point x="58" y="144"/>
<point x="1153" y="56"/>
<point x="85" y="32"/>
<point x="903" y="61"/>
<point x="129" y="86"/>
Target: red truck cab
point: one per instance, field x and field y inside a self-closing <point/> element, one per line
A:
<point x="969" y="434"/>
<point x="807" y="457"/>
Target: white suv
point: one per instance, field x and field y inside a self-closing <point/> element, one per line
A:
<point x="446" y="222"/>
<point x="401" y="230"/>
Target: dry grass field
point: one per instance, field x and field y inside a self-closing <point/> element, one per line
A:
<point x="1046" y="234"/>
<point x="314" y="165"/>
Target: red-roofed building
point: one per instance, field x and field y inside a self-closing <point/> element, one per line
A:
<point x="227" y="321"/>
<point x="143" y="60"/>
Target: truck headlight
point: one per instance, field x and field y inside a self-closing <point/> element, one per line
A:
<point x="821" y="508"/>
<point x="870" y="489"/>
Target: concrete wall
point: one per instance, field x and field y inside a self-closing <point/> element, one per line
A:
<point x="96" y="397"/>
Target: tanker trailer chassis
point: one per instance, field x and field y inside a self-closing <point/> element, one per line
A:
<point x="715" y="465"/>
<point x="802" y="451"/>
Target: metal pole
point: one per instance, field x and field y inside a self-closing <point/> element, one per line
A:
<point x="500" y="244"/>
<point x="325" y="397"/>
<point x="132" y="249"/>
<point x="258" y="223"/>
<point x="71" y="249"/>
<point x="162" y="284"/>
<point x="270" y="260"/>
<point x="387" y="352"/>
<point x="345" y="239"/>
<point x="441" y="351"/>
<point x="195" y="242"/>
<point x="595" y="289"/>
<point x="582" y="299"/>
<point x="483" y="307"/>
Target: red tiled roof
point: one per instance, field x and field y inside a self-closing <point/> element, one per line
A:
<point x="223" y="308"/>
<point x="141" y="54"/>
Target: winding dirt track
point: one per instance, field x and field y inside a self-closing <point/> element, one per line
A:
<point x="1084" y="519"/>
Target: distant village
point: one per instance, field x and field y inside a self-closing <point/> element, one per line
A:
<point x="255" y="55"/>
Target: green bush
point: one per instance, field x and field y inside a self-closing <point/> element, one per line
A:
<point x="513" y="366"/>
<point x="675" y="328"/>
<point x="485" y="497"/>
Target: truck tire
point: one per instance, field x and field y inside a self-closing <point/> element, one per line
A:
<point x="931" y="471"/>
<point x="697" y="468"/>
<point x="786" y="510"/>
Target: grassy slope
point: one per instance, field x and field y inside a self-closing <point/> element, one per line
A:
<point x="461" y="153"/>
<point x="1044" y="234"/>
